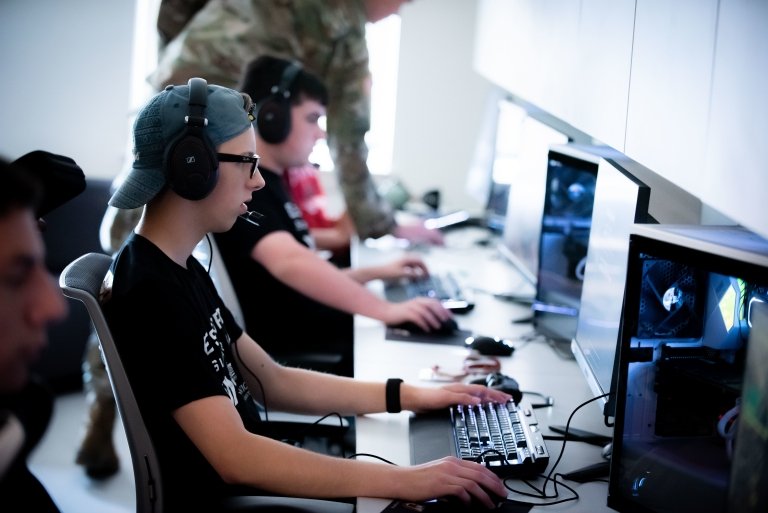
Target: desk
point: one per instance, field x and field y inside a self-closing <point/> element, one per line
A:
<point x="535" y="365"/>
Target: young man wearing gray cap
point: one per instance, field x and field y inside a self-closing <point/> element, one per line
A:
<point x="178" y="340"/>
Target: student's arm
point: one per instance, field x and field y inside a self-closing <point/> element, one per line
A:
<point x="408" y="266"/>
<point x="300" y="268"/>
<point x="241" y="457"/>
<point x="337" y="237"/>
<point x="298" y="390"/>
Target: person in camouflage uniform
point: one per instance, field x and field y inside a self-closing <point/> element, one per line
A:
<point x="328" y="38"/>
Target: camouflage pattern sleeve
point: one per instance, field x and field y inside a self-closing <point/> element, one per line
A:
<point x="173" y="15"/>
<point x="328" y="38"/>
<point x="116" y="225"/>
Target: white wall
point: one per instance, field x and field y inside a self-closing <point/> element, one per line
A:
<point x="65" y="68"/>
<point x="66" y="71"/>
<point x="440" y="99"/>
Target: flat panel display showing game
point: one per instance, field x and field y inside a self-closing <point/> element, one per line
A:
<point x="691" y="295"/>
<point x="564" y="238"/>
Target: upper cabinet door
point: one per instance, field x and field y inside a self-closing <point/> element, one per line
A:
<point x="570" y="59"/>
<point x="736" y="157"/>
<point x="527" y="47"/>
<point x="669" y="91"/>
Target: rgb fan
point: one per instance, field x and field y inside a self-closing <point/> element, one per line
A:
<point x="670" y="299"/>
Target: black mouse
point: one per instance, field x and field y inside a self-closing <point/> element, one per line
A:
<point x="489" y="346"/>
<point x="502" y="382"/>
<point x="448" y="327"/>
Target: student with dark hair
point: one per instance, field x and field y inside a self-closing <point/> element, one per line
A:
<point x="30" y="300"/>
<point x="179" y="342"/>
<point x="273" y="268"/>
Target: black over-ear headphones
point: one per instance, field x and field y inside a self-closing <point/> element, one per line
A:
<point x="273" y="113"/>
<point x="191" y="166"/>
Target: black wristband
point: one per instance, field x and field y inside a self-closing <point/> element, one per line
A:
<point x="393" y="395"/>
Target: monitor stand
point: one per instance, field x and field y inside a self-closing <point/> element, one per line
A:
<point x="590" y="472"/>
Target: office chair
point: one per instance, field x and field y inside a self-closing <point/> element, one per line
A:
<point x="82" y="280"/>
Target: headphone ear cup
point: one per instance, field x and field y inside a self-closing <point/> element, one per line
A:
<point x="191" y="165"/>
<point x="273" y="119"/>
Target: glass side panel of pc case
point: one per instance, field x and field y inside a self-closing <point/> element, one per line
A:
<point x="691" y="293"/>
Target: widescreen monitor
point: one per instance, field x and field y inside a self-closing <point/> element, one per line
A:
<point x="564" y="235"/>
<point x="621" y="200"/>
<point x="527" y="172"/>
<point x="519" y="156"/>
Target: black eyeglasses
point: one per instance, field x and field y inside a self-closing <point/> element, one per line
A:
<point x="253" y="160"/>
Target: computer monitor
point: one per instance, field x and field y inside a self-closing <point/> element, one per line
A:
<point x="621" y="200"/>
<point x="519" y="154"/>
<point x="527" y="172"/>
<point x="690" y="303"/>
<point x="564" y="235"/>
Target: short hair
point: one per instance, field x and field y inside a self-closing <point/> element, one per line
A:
<point x="262" y="74"/>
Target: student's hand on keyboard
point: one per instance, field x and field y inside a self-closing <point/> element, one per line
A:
<point x="408" y="266"/>
<point x="417" y="233"/>
<point x="422" y="399"/>
<point x="426" y="314"/>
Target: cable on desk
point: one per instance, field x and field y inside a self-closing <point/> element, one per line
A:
<point x="548" y="399"/>
<point x="552" y="476"/>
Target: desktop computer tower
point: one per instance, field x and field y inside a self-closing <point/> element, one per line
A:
<point x="692" y="293"/>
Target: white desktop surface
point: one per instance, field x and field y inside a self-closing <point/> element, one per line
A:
<point x="535" y="365"/>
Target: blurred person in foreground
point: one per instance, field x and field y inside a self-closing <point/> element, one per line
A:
<point x="30" y="300"/>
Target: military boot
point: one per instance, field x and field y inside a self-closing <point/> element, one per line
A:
<point x="97" y="450"/>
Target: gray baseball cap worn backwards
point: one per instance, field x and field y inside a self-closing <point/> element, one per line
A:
<point x="159" y="122"/>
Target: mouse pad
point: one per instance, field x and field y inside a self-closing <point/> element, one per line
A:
<point x="441" y="506"/>
<point x="454" y="339"/>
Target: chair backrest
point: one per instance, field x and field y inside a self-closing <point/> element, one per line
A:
<point x="82" y="280"/>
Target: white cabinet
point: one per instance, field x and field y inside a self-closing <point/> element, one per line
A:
<point x="668" y="107"/>
<point x="570" y="59"/>
<point x="736" y="157"/>
<point x="679" y="87"/>
<point x="526" y="47"/>
<point x="602" y="54"/>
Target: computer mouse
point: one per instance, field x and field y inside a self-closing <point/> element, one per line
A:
<point x="499" y="381"/>
<point x="489" y="346"/>
<point x="448" y="327"/>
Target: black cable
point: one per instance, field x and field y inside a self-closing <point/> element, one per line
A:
<point x="210" y="252"/>
<point x="548" y="399"/>
<point x="542" y="493"/>
<point x="264" y="398"/>
<point x="368" y="455"/>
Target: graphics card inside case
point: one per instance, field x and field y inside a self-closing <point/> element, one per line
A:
<point x="690" y="295"/>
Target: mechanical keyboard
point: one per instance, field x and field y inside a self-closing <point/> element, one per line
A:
<point x="504" y="437"/>
<point x="443" y="286"/>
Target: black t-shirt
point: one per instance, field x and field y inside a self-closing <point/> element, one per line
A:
<point x="176" y="338"/>
<point x="265" y="301"/>
<point x="31" y="409"/>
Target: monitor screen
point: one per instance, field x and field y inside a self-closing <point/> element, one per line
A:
<point x="519" y="154"/>
<point x="684" y="352"/>
<point x="527" y="171"/>
<point x="620" y="201"/>
<point x="564" y="236"/>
